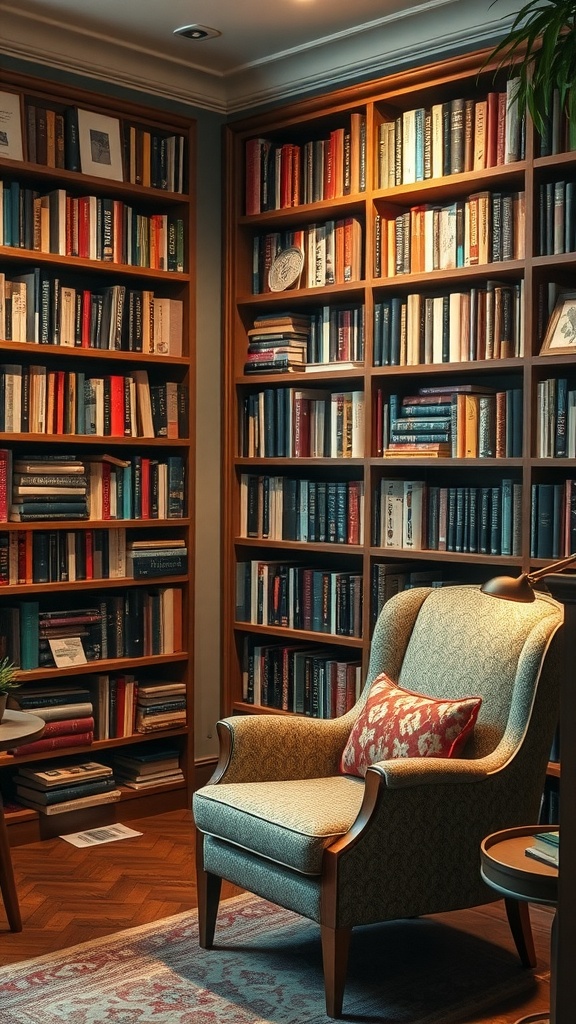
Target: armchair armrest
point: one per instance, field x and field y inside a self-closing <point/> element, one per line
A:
<point x="267" y="748"/>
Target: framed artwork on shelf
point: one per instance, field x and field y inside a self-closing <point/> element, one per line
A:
<point x="100" y="148"/>
<point x="561" y="331"/>
<point x="10" y="127"/>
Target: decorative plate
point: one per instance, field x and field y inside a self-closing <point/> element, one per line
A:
<point x="285" y="269"/>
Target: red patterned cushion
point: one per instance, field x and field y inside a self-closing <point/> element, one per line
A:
<point x="399" y="723"/>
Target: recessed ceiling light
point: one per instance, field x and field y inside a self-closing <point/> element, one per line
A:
<point x="197" y="32"/>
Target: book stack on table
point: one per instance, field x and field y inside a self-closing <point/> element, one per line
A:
<point x="67" y="712"/>
<point x="69" y="787"/>
<point x="160" y="705"/>
<point x="545" y="846"/>
<point x="144" y="767"/>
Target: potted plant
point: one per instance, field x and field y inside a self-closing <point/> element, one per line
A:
<point x="540" y="49"/>
<point x="8" y="683"/>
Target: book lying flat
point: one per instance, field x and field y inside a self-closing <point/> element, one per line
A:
<point x="75" y="805"/>
<point x="62" y="775"/>
<point x="541" y="855"/>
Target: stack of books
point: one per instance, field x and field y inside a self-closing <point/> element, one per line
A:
<point x="545" y="846"/>
<point x="48" y="488"/>
<point x="68" y="787"/>
<point x="156" y="558"/>
<point x="114" y="698"/>
<point x="278" y="344"/>
<point x="144" y="767"/>
<point x="160" y="705"/>
<point x="67" y="712"/>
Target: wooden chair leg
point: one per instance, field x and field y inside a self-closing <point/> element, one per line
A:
<point x="518" y="913"/>
<point x="208" y="891"/>
<point x="335" y="947"/>
<point x="7" y="882"/>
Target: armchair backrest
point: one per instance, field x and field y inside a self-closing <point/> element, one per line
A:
<point x="455" y="641"/>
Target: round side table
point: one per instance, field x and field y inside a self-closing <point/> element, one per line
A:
<point x="506" y="868"/>
<point x="15" y="727"/>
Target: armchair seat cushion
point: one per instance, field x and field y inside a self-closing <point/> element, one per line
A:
<point x="290" y="823"/>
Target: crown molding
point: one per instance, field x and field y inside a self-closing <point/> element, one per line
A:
<point x="419" y="35"/>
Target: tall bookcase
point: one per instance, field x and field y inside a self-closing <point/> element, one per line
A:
<point x="500" y="497"/>
<point x="99" y="219"/>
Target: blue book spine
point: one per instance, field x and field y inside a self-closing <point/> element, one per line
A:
<point x="29" y="634"/>
<point x="506" y="516"/>
<point x="560" y="449"/>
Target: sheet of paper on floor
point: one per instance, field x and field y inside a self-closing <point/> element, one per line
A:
<point x="96" y="836"/>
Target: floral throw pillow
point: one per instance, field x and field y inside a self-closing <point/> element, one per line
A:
<point x="399" y="723"/>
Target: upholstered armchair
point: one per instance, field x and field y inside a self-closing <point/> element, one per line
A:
<point x="282" y="819"/>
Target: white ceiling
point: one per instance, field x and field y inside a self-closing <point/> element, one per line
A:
<point x="266" y="47"/>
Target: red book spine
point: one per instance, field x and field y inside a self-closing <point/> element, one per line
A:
<point x="79" y="739"/>
<point x="89" y="552"/>
<point x="83" y="227"/>
<point x="68" y="726"/>
<point x="86" y="313"/>
<point x="5" y="485"/>
<point x="60" y="381"/>
<point x="106" y="490"/>
<point x="117" y="406"/>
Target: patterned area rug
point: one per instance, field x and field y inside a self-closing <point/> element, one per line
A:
<point x="266" y="969"/>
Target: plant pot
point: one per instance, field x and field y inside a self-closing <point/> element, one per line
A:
<point x="3" y="699"/>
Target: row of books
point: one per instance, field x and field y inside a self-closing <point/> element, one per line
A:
<point x="151" y="157"/>
<point x="553" y="519"/>
<point x="457" y="421"/>
<point x="293" y="508"/>
<point x="559" y="135"/>
<point x="125" y="705"/>
<point x="302" y="423"/>
<point x="299" y="597"/>
<point x="89" y="227"/>
<point x="416" y="515"/>
<point x="331" y="335"/>
<point x="390" y="578"/>
<point x="284" y="174"/>
<point x="104" y="707"/>
<point x="484" y="228"/>
<point x="454" y="137"/>
<point x="37" y="308"/>
<point x="66" y="556"/>
<point x="462" y="326"/>
<point x="556" y="419"/>
<point x="332" y="253"/>
<point x="135" y="623"/>
<point x="318" y="682"/>
<point x="35" y="488"/>
<point x="60" y="789"/>
<point x="61" y="556"/>
<point x="557" y="219"/>
<point x="38" y="400"/>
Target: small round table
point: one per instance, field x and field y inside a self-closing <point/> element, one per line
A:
<point x="15" y="727"/>
<point x="506" y="868"/>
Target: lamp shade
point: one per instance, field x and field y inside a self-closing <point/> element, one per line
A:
<point x="521" y="588"/>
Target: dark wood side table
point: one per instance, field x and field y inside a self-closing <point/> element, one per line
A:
<point x="15" y="728"/>
<point x="506" y="868"/>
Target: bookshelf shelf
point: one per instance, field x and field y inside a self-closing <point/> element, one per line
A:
<point x="97" y="333"/>
<point x="501" y="173"/>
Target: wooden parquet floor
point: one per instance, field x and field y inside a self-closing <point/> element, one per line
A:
<point x="69" y="896"/>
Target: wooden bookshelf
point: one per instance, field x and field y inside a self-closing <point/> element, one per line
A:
<point x="513" y="367"/>
<point x="99" y="219"/>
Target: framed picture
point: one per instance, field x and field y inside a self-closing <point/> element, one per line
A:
<point x="10" y="127"/>
<point x="561" y="331"/>
<point x="100" y="148"/>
